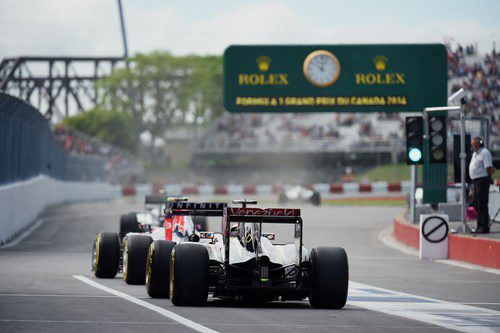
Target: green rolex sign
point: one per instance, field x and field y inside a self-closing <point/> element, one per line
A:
<point x="334" y="78"/>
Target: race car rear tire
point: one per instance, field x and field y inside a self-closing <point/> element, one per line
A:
<point x="330" y="277"/>
<point x="189" y="275"/>
<point x="128" y="223"/>
<point x="316" y="198"/>
<point x="135" y="253"/>
<point x="106" y="255"/>
<point x="158" y="268"/>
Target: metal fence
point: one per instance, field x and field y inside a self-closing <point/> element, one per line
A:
<point x="28" y="147"/>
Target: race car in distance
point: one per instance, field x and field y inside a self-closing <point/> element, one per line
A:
<point x="242" y="263"/>
<point x="299" y="194"/>
<point x="128" y="250"/>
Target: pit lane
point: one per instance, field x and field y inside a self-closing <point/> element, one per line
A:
<point x="38" y="291"/>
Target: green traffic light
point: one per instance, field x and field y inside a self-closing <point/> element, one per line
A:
<point x="415" y="155"/>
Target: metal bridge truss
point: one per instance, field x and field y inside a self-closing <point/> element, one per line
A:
<point x="56" y="85"/>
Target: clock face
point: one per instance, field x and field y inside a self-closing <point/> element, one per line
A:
<point x="321" y="68"/>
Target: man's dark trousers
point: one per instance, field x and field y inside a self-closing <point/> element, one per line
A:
<point x="481" y="196"/>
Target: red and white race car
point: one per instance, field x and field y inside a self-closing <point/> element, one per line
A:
<point x="128" y="250"/>
<point x="241" y="262"/>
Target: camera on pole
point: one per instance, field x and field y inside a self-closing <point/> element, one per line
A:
<point x="437" y="139"/>
<point x="414" y="140"/>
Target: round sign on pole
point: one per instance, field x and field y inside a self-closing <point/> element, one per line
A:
<point x="434" y="231"/>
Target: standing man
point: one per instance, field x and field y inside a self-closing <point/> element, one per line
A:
<point x="480" y="171"/>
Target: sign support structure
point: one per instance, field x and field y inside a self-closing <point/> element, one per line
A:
<point x="464" y="228"/>
<point x="414" y="176"/>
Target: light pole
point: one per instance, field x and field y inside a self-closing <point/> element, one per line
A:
<point x="130" y="91"/>
<point x="124" y="34"/>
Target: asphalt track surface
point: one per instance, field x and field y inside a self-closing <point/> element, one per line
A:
<point x="46" y="283"/>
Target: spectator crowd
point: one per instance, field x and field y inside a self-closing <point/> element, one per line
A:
<point x="76" y="142"/>
<point x="478" y="74"/>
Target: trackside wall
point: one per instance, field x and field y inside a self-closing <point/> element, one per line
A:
<point x="21" y="202"/>
<point x="474" y="250"/>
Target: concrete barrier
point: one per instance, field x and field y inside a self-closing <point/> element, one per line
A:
<point x="475" y="250"/>
<point x="22" y="202"/>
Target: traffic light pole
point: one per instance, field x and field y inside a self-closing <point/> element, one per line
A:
<point x="463" y="155"/>
<point x="464" y="228"/>
<point x="413" y="210"/>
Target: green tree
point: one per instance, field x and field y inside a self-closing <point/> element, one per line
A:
<point x="116" y="128"/>
<point x="168" y="91"/>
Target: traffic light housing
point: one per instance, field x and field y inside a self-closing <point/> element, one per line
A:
<point x="437" y="139"/>
<point x="414" y="140"/>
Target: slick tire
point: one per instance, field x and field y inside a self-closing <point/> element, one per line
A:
<point x="330" y="277"/>
<point x="135" y="253"/>
<point x="158" y="268"/>
<point x="189" y="275"/>
<point x="316" y="199"/>
<point x="106" y="255"/>
<point x="128" y="223"/>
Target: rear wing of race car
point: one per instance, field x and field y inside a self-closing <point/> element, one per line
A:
<point x="197" y="208"/>
<point x="155" y="199"/>
<point x="162" y="198"/>
<point x="268" y="215"/>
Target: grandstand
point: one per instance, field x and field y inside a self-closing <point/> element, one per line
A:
<point x="374" y="132"/>
<point x="119" y="165"/>
<point x="330" y="141"/>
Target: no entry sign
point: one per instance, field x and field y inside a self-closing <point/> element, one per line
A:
<point x="434" y="236"/>
<point x="435" y="229"/>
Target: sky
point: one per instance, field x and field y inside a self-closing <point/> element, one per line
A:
<point x="92" y="27"/>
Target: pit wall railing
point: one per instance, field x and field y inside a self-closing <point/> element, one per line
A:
<point x="28" y="148"/>
<point x="35" y="172"/>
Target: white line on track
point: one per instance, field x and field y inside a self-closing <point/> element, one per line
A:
<point x="23" y="235"/>
<point x="169" y="314"/>
<point x="85" y="322"/>
<point x="460" y="317"/>
<point x="405" y="327"/>
<point x="58" y="295"/>
<point x="386" y="237"/>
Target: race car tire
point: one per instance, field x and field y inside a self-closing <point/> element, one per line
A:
<point x="330" y="277"/>
<point x="106" y="255"/>
<point x="201" y="221"/>
<point x="158" y="268"/>
<point x="128" y="223"/>
<point x="135" y="254"/>
<point x="316" y="198"/>
<point x="189" y="275"/>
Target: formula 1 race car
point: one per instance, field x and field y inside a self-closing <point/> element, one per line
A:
<point x="242" y="263"/>
<point x="299" y="194"/>
<point x="154" y="206"/>
<point x="128" y="250"/>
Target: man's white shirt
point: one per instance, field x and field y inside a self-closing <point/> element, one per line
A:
<point x="481" y="160"/>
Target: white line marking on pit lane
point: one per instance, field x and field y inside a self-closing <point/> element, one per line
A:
<point x="85" y="322"/>
<point x="23" y="235"/>
<point x="386" y="238"/>
<point x="57" y="295"/>
<point x="169" y="314"/>
<point x="464" y="318"/>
